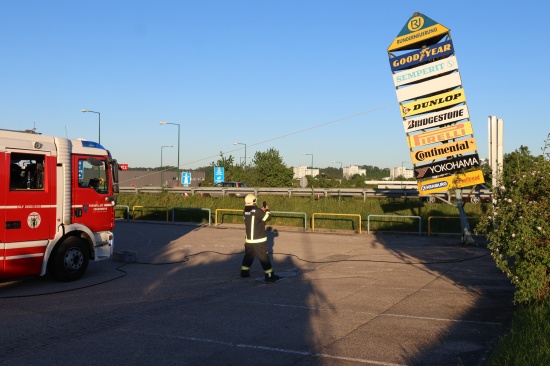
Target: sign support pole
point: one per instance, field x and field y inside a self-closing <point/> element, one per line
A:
<point x="467" y="237"/>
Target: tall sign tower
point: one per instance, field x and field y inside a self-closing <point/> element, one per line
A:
<point x="433" y="107"/>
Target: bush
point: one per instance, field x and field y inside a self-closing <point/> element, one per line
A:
<point x="518" y="225"/>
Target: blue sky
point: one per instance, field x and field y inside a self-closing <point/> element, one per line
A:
<point x="300" y="76"/>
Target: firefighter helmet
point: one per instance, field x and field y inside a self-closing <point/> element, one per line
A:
<point x="250" y="200"/>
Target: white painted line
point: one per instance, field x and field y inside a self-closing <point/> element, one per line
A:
<point x="440" y="319"/>
<point x="263" y="348"/>
<point x="386" y="314"/>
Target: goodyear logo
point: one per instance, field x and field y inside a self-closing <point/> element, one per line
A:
<point x="422" y="55"/>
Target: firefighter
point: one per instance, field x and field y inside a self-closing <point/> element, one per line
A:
<point x="256" y="238"/>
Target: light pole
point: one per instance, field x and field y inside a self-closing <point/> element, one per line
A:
<point x="99" y="115"/>
<point x="340" y="168"/>
<point x="176" y="124"/>
<point x="242" y="143"/>
<point x="311" y="162"/>
<point x="161" y="171"/>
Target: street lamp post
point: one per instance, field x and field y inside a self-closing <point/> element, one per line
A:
<point x="340" y="168"/>
<point x="242" y="143"/>
<point x="99" y="115"/>
<point x="176" y="124"/>
<point x="311" y="163"/>
<point x="161" y="170"/>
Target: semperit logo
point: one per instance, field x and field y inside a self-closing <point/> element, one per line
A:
<point x="415" y="24"/>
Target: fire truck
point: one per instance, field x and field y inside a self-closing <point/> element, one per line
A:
<point x="56" y="205"/>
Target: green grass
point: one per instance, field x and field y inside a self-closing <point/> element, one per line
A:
<point x="528" y="341"/>
<point x="156" y="207"/>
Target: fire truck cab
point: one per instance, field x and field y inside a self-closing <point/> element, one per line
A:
<point x="56" y="205"/>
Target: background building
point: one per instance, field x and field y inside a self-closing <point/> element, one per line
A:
<point x="302" y="171"/>
<point x="401" y="171"/>
<point x="352" y="170"/>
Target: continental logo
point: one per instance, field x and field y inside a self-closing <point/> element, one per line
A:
<point x="436" y="119"/>
<point x="437" y="101"/>
<point x="441" y="134"/>
<point x="451" y="182"/>
<point x="422" y="55"/>
<point x="447" y="167"/>
<point x="443" y="151"/>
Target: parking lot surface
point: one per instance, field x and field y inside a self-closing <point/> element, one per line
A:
<point x="344" y="300"/>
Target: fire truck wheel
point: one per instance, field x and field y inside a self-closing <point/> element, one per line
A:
<point x="70" y="260"/>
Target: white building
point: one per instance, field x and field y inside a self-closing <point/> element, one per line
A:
<point x="302" y="171"/>
<point x="401" y="171"/>
<point x="352" y="170"/>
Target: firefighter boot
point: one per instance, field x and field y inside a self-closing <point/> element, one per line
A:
<point x="245" y="273"/>
<point x="271" y="277"/>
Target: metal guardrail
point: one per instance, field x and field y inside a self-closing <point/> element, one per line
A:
<point x="400" y="216"/>
<point x="293" y="213"/>
<point x="127" y="208"/>
<point x="288" y="192"/>
<point x="223" y="210"/>
<point x="193" y="209"/>
<point x="148" y="207"/>
<point x="333" y="214"/>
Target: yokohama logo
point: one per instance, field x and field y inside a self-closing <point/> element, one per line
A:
<point x="447" y="166"/>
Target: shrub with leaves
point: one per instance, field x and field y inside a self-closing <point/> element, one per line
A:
<point x="518" y="225"/>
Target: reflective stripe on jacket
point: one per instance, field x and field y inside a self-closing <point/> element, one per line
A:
<point x="254" y="221"/>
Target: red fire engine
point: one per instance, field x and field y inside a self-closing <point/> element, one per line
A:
<point x="56" y="205"/>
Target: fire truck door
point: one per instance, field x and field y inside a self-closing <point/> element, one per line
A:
<point x="28" y="202"/>
<point x="91" y="193"/>
<point x="30" y="198"/>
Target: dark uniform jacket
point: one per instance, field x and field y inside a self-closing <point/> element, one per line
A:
<point x="254" y="220"/>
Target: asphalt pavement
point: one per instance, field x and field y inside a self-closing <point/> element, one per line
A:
<point x="174" y="296"/>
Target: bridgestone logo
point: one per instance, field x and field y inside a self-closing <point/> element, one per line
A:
<point x="421" y="122"/>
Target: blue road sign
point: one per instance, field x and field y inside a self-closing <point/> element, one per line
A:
<point x="186" y="179"/>
<point x="219" y="174"/>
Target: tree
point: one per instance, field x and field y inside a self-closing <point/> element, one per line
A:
<point x="518" y="225"/>
<point x="269" y="170"/>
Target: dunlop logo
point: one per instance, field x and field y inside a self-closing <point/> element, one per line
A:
<point x="436" y="102"/>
